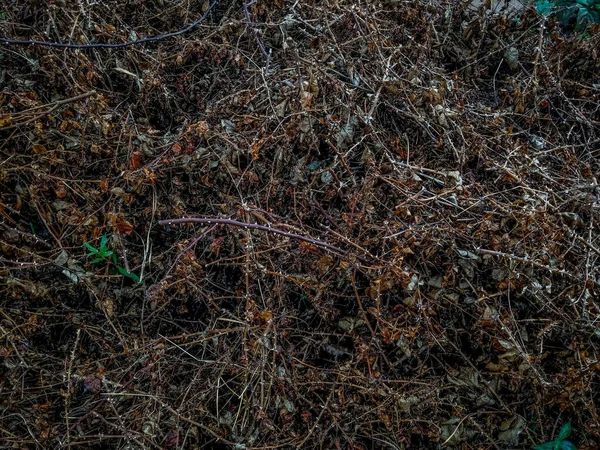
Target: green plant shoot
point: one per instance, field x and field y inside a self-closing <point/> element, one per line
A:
<point x="560" y="443"/>
<point x="579" y="12"/>
<point x="102" y="253"/>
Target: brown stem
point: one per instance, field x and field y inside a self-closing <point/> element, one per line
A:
<point x="253" y="226"/>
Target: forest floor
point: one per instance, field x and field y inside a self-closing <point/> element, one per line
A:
<point x="401" y="245"/>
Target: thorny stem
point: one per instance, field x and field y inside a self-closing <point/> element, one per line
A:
<point x="266" y="54"/>
<point x="6" y="41"/>
<point x="69" y="388"/>
<point x="532" y="262"/>
<point x="253" y="226"/>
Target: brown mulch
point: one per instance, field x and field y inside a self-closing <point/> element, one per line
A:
<point x="421" y="266"/>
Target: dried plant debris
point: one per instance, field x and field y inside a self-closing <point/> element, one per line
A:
<point x="398" y="239"/>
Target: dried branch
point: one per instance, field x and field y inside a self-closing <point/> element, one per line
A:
<point x="52" y="107"/>
<point x="254" y="226"/>
<point x="160" y="37"/>
<point x="529" y="261"/>
<point x="261" y="46"/>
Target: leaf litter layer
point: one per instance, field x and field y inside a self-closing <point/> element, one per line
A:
<point x="420" y="267"/>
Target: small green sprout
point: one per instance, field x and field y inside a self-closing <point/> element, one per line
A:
<point x="104" y="254"/>
<point x="101" y="253"/>
<point x="130" y="275"/>
<point x="560" y="443"/>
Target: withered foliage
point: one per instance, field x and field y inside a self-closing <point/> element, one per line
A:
<point x="449" y="150"/>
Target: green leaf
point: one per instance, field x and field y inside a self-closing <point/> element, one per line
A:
<point x="546" y="446"/>
<point x="587" y="15"/>
<point x="92" y="249"/>
<point x="565" y="14"/>
<point x="97" y="260"/>
<point x="114" y="258"/>
<point x="131" y="275"/>
<point x="544" y="7"/>
<point x="568" y="445"/>
<point x="103" y="242"/>
<point x="577" y="12"/>
<point x="565" y="431"/>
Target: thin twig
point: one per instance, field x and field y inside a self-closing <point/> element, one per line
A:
<point x="48" y="227"/>
<point x="588" y="244"/>
<point x="7" y="41"/>
<point x="26" y="235"/>
<point x="56" y="103"/>
<point x="182" y="252"/>
<point x="261" y="46"/>
<point x="69" y="387"/>
<point x="53" y="107"/>
<point x="529" y="261"/>
<point x="253" y="226"/>
<point x="324" y="408"/>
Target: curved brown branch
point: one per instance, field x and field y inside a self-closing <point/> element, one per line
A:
<point x="253" y="226"/>
<point x="6" y="41"/>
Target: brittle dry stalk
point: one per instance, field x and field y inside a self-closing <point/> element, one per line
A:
<point x="253" y="226"/>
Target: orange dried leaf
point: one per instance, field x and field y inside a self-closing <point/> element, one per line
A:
<point x="150" y="176"/>
<point x="38" y="149"/>
<point x="61" y="192"/>
<point x="135" y="160"/>
<point x="205" y="180"/>
<point x="255" y="148"/>
<point x="265" y="316"/>
<point x="124" y="226"/>
<point x="324" y="264"/>
<point x="5" y="121"/>
<point x="200" y="128"/>
<point x="176" y="148"/>
<point x="306" y="247"/>
<point x="306" y="99"/>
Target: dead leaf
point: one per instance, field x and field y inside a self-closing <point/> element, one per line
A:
<point x="39" y="149"/>
<point x="124" y="227"/>
<point x="61" y="191"/>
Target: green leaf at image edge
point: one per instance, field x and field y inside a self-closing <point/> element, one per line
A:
<point x="581" y="12"/>
<point x="545" y="446"/>
<point x="544" y="7"/>
<point x="567" y="445"/>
